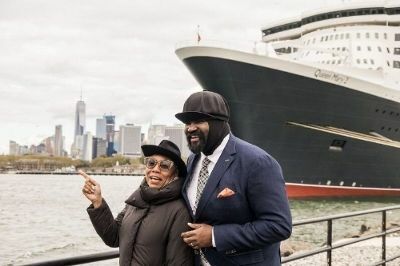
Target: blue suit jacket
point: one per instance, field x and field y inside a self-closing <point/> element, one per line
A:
<point x="249" y="225"/>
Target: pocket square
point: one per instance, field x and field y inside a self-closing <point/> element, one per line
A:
<point x="226" y="192"/>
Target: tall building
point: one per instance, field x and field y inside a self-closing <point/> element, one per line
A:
<point x="156" y="134"/>
<point x="117" y="147"/>
<point x="101" y="128"/>
<point x="177" y="135"/>
<point x="58" y="142"/>
<point x="80" y="118"/>
<point x="80" y="124"/>
<point x="110" y="127"/>
<point x="99" y="147"/>
<point x="87" y="147"/>
<point x="130" y="140"/>
<point x="13" y="148"/>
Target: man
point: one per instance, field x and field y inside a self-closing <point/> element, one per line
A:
<point x="235" y="190"/>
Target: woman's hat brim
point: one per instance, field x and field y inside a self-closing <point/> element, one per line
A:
<point x="149" y="150"/>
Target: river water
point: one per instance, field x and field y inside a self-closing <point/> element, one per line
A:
<point x="44" y="217"/>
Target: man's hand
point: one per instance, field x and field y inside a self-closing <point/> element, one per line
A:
<point x="199" y="237"/>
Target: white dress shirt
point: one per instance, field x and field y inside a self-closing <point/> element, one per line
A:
<point x="192" y="186"/>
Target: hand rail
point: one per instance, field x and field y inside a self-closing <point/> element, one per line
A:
<point x="328" y="248"/>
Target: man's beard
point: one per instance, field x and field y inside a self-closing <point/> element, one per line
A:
<point x="198" y="147"/>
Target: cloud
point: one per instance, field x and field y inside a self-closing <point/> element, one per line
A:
<point x="119" y="53"/>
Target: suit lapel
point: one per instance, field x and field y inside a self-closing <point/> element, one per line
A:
<point x="192" y="161"/>
<point x="226" y="158"/>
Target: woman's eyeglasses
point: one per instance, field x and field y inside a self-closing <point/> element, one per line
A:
<point x="165" y="165"/>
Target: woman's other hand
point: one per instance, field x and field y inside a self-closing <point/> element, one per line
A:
<point x="91" y="189"/>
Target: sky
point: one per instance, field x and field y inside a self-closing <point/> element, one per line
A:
<point x="120" y="54"/>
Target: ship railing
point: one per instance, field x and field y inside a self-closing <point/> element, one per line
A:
<point x="327" y="248"/>
<point x="330" y="246"/>
<point x="256" y="47"/>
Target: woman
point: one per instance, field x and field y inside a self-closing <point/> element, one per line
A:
<point x="148" y="229"/>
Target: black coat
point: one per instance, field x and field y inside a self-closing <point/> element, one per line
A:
<point x="148" y="230"/>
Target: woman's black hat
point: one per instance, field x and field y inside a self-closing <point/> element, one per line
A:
<point x="167" y="149"/>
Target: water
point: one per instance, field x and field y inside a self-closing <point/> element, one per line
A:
<point x="44" y="217"/>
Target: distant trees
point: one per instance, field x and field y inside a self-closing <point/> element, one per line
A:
<point x="47" y="163"/>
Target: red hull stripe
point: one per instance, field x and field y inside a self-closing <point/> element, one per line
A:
<point x="319" y="191"/>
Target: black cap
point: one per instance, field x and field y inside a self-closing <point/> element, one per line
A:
<point x="204" y="105"/>
<point x="167" y="149"/>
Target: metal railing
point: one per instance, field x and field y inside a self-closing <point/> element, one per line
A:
<point x="328" y="248"/>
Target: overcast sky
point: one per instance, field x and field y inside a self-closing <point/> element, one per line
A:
<point x="120" y="53"/>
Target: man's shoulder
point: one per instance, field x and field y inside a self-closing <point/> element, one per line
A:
<point x="243" y="146"/>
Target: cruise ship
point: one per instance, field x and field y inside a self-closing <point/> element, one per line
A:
<point x="321" y="94"/>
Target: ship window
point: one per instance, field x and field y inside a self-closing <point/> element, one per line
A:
<point x="326" y="38"/>
<point x="347" y="35"/>
<point x="369" y="48"/>
<point x="397" y="37"/>
<point x="342" y="36"/>
<point x="396" y="129"/>
<point x="382" y="128"/>
<point x="365" y="61"/>
<point x="376" y="110"/>
<point x="336" y="36"/>
<point x="322" y="39"/>
<point x="389" y="129"/>
<point x="383" y="111"/>
<point x="367" y="35"/>
<point x="388" y="50"/>
<point x="339" y="62"/>
<point x="337" y="145"/>
<point x="333" y="62"/>
<point x="358" y="35"/>
<point x="385" y="35"/>
<point x="330" y="37"/>
<point x="358" y="61"/>
<point x="379" y="49"/>
<point x="343" y="48"/>
<point x="388" y="63"/>
<point x="372" y="61"/>
<point x="396" y="64"/>
<point x="376" y="35"/>
<point x="397" y="50"/>
<point x="358" y="48"/>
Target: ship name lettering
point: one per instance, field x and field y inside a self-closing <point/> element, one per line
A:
<point x="331" y="76"/>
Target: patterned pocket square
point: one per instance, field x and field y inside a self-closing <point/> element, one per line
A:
<point x="225" y="193"/>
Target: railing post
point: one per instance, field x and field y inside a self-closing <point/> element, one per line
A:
<point x="329" y="243"/>
<point x="384" y="237"/>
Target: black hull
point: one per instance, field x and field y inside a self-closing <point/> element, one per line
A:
<point x="263" y="100"/>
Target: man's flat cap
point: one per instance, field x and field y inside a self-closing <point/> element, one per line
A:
<point x="204" y="105"/>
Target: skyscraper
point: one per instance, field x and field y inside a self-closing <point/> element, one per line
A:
<point x="80" y="124"/>
<point x="177" y="135"/>
<point x="80" y="118"/>
<point x="101" y="128"/>
<point x="130" y="140"/>
<point x="110" y="126"/>
<point x="58" y="141"/>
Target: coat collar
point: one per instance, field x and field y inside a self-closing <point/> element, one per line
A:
<point x="224" y="161"/>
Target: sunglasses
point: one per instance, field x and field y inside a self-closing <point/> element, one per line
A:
<point x="165" y="165"/>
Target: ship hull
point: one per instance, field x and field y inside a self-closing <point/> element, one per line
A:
<point x="264" y="101"/>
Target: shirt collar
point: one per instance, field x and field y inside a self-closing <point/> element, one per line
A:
<point x="217" y="152"/>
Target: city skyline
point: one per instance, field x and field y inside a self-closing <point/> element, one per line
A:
<point x="118" y="139"/>
<point x="119" y="54"/>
